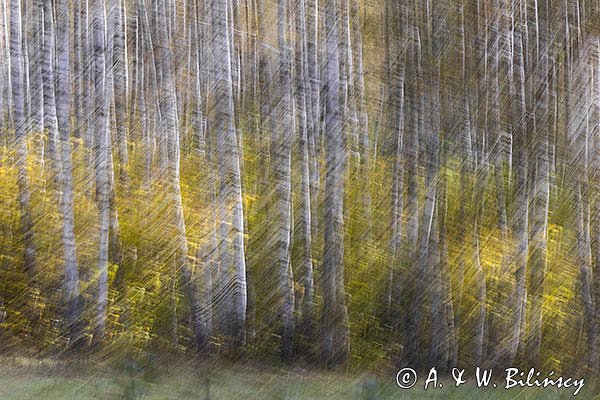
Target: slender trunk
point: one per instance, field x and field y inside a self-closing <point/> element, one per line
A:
<point x="283" y="190"/>
<point x="63" y="108"/>
<point x="334" y="325"/>
<point x="538" y="253"/>
<point x="394" y="285"/>
<point x="580" y="159"/>
<point x="307" y="302"/>
<point x="119" y="55"/>
<point x="36" y="92"/>
<point x="77" y="63"/>
<point x="466" y="174"/>
<point x="494" y="127"/>
<point x="438" y="347"/>
<point x="19" y="122"/>
<point x="88" y="79"/>
<point x="520" y="212"/>
<point x="168" y="107"/>
<point x="595" y="223"/>
<point x="449" y="338"/>
<point x="482" y="157"/>
<point x="314" y="84"/>
<point x="265" y="80"/>
<point x="230" y="215"/>
<point x="364" y="146"/>
<point x="198" y="122"/>
<point x="114" y="237"/>
<point x="102" y="154"/>
<point x="411" y="131"/>
<point x="50" y="118"/>
<point x="144" y="103"/>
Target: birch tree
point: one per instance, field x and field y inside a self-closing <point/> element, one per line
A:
<point x="538" y="252"/>
<point x="19" y="123"/>
<point x="63" y="108"/>
<point x="168" y="107"/>
<point x="282" y="159"/>
<point x="102" y="154"/>
<point x="50" y="121"/>
<point x="334" y="314"/>
<point x="232" y="282"/>
<point x="303" y="224"/>
<point x="412" y="127"/>
<point x="119" y="57"/>
<point x="520" y="213"/>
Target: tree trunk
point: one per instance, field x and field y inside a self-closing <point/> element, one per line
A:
<point x="410" y="247"/>
<point x="63" y="102"/>
<point x="102" y="154"/>
<point x="520" y="213"/>
<point x="307" y="301"/>
<point x="283" y="187"/>
<point x="19" y="123"/>
<point x="364" y="146"/>
<point x="539" y="229"/>
<point x="36" y="92"/>
<point x="393" y="296"/>
<point x="230" y="215"/>
<point x="119" y="56"/>
<point x="314" y="85"/>
<point x="168" y="108"/>
<point x="50" y="118"/>
<point x="334" y="325"/>
<point x="594" y="340"/>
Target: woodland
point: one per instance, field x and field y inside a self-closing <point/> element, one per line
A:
<point x="365" y="184"/>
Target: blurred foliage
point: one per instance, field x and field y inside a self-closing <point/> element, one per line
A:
<point x="144" y="297"/>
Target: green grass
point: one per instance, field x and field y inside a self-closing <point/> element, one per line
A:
<point x="161" y="380"/>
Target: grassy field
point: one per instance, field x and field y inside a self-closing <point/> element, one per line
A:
<point x="161" y="380"/>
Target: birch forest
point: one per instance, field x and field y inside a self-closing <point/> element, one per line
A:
<point x="341" y="185"/>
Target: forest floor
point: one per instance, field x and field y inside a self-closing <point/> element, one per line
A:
<point x="161" y="380"/>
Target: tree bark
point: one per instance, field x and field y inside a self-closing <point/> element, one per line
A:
<point x="520" y="213"/>
<point x="50" y="122"/>
<point x="306" y="277"/>
<point x="230" y="212"/>
<point x="168" y="107"/>
<point x="335" y="329"/>
<point x="63" y="101"/>
<point x="539" y="237"/>
<point x="19" y="122"/>
<point x="120" y="82"/>
<point x="102" y="154"/>
<point x="283" y="187"/>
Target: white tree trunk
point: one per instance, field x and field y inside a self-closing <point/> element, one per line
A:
<point x="230" y="214"/>
<point x="63" y="99"/>
<point x="335" y="317"/>
<point x="19" y="123"/>
<point x="102" y="155"/>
